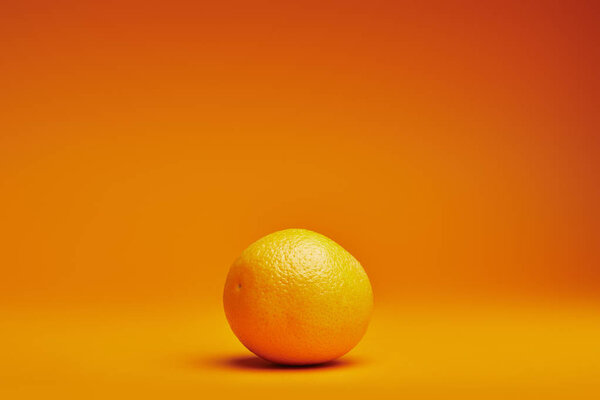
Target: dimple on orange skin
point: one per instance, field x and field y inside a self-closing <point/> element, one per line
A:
<point x="296" y="297"/>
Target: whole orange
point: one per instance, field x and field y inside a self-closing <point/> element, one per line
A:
<point x="296" y="297"/>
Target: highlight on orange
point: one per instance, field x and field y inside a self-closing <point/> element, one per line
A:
<point x="451" y="147"/>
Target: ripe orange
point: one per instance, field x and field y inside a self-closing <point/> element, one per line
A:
<point x="296" y="297"/>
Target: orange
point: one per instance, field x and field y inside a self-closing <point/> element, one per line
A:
<point x="296" y="297"/>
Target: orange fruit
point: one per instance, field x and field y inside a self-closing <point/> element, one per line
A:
<point x="296" y="297"/>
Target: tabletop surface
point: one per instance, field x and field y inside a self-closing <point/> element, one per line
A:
<point x="422" y="352"/>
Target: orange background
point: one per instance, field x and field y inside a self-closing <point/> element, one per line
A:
<point x="452" y="147"/>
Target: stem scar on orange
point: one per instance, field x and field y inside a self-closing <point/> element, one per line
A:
<point x="296" y="297"/>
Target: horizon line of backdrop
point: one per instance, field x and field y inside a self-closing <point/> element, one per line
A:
<point x="452" y="148"/>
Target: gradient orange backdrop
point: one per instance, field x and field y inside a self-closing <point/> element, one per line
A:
<point x="452" y="147"/>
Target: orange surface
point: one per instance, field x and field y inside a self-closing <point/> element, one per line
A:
<point x="417" y="352"/>
<point x="296" y="297"/>
<point x="452" y="148"/>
